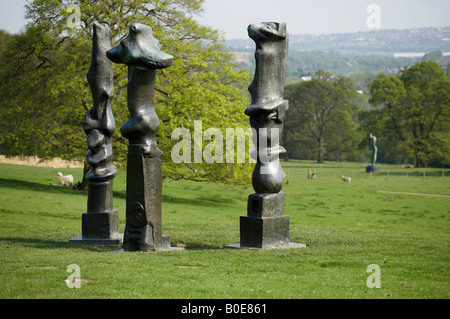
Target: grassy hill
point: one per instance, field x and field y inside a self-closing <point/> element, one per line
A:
<point x="346" y="228"/>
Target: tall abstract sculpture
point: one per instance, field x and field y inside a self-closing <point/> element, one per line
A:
<point x="140" y="51"/>
<point x="100" y="224"/>
<point x="265" y="226"/>
<point x="373" y="168"/>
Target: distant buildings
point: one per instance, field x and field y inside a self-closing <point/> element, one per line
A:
<point x="411" y="41"/>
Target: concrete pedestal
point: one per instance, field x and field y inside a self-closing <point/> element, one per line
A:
<point x="143" y="230"/>
<point x="265" y="226"/>
<point x="97" y="242"/>
<point x="100" y="224"/>
<point x="372" y="169"/>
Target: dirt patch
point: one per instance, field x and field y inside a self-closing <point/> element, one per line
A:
<point x="35" y="161"/>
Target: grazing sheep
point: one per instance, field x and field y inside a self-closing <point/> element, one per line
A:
<point x="65" y="180"/>
<point x="346" y="179"/>
<point x="311" y="175"/>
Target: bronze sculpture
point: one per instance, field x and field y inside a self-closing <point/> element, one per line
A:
<point x="265" y="226"/>
<point x="141" y="52"/>
<point x="100" y="224"/>
<point x="372" y="168"/>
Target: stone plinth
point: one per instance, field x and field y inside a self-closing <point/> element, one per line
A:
<point x="372" y="169"/>
<point x="265" y="226"/>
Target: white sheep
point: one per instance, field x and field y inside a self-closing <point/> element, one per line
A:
<point x="346" y="179"/>
<point x="65" y="180"/>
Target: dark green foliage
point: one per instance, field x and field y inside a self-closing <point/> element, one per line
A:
<point x="320" y="120"/>
<point x="412" y="119"/>
<point x="44" y="93"/>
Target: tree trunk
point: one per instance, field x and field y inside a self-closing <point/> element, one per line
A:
<point x="320" y="150"/>
<point x="419" y="154"/>
<point x="421" y="163"/>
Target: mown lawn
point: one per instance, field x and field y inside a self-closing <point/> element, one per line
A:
<point x="346" y="228"/>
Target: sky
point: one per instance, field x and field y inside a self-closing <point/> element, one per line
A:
<point x="232" y="17"/>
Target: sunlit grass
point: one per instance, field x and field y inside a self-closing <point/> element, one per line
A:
<point x="346" y="228"/>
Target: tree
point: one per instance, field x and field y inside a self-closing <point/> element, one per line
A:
<point x="4" y="38"/>
<point x="414" y="112"/>
<point x="343" y="137"/>
<point x="49" y="62"/>
<point x="320" y="107"/>
<point x="296" y="139"/>
<point x="432" y="56"/>
<point x="40" y="110"/>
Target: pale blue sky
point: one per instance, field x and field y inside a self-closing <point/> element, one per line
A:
<point x="301" y="16"/>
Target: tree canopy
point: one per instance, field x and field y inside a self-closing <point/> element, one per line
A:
<point x="44" y="92"/>
<point x="412" y="115"/>
<point x="320" y="118"/>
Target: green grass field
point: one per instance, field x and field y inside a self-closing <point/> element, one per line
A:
<point x="346" y="228"/>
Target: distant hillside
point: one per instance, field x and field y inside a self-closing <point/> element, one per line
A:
<point x="302" y="64"/>
<point x="377" y="41"/>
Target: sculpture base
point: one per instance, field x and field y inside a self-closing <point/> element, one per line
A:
<point x="79" y="240"/>
<point x="100" y="225"/>
<point x="143" y="239"/>
<point x="143" y="230"/>
<point x="265" y="226"/>
<point x="372" y="169"/>
<point x="264" y="232"/>
<point x="99" y="229"/>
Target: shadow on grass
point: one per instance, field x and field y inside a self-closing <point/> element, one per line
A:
<point x="205" y="201"/>
<point x="37" y="187"/>
<point x="51" y="244"/>
<point x="202" y="246"/>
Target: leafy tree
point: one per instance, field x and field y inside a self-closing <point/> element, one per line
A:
<point x="320" y="111"/>
<point x="40" y="111"/>
<point x="343" y="137"/>
<point x="432" y="56"/>
<point x="413" y="112"/>
<point x="4" y="38"/>
<point x="50" y="60"/>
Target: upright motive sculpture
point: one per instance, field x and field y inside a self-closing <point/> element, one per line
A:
<point x="265" y="226"/>
<point x="372" y="167"/>
<point x="100" y="224"/>
<point x="140" y="51"/>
